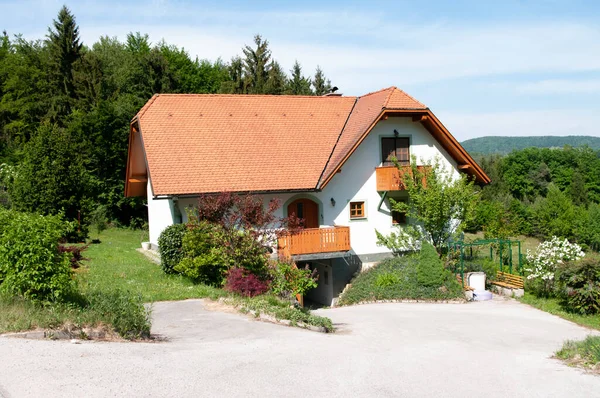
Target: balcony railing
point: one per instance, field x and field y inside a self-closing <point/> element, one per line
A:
<point x="315" y="240"/>
<point x="389" y="178"/>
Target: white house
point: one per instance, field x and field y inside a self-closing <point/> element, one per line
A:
<point x="326" y="158"/>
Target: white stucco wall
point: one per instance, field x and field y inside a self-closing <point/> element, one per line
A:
<point x="160" y="215"/>
<point x="356" y="182"/>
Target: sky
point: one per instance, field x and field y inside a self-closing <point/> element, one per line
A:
<point x="510" y="67"/>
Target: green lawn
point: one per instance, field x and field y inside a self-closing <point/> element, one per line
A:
<point x="553" y="306"/>
<point x="115" y="263"/>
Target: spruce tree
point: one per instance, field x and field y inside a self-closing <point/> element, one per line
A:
<point x="277" y="80"/>
<point x="65" y="50"/>
<point x="257" y="63"/>
<point x="321" y="84"/>
<point x="298" y="84"/>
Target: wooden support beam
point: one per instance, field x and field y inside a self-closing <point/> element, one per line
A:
<point x="464" y="166"/>
<point x="419" y="118"/>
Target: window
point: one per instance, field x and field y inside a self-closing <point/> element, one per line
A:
<point x="357" y="209"/>
<point x="397" y="147"/>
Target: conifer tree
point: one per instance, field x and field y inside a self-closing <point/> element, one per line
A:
<point x="65" y="50"/>
<point x="257" y="63"/>
<point x="298" y="84"/>
<point x="321" y="85"/>
<point x="277" y="80"/>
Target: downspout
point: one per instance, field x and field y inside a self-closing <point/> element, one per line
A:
<point x="382" y="199"/>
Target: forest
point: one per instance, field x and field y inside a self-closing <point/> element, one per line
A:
<point x="505" y="145"/>
<point x="541" y="192"/>
<point x="66" y="105"/>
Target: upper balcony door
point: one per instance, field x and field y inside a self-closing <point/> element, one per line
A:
<point x="307" y="210"/>
<point x="395" y="147"/>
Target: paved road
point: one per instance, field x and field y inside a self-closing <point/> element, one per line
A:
<point x="492" y="349"/>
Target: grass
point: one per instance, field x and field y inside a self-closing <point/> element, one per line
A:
<point x="585" y="353"/>
<point x="552" y="306"/>
<point x="115" y="263"/>
<point x="115" y="282"/>
<point x="396" y="279"/>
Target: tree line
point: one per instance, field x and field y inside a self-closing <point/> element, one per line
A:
<point x="65" y="109"/>
<point x="542" y="192"/>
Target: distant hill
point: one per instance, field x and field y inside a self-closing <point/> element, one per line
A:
<point x="486" y="145"/>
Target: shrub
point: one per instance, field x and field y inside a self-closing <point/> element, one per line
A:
<point x="585" y="352"/>
<point x="124" y="311"/>
<point x="430" y="269"/>
<point x="376" y="284"/>
<point x="203" y="254"/>
<point x="31" y="264"/>
<point x="242" y="282"/>
<point x="387" y="279"/>
<point x="541" y="264"/>
<point x="288" y="280"/>
<point x="75" y="254"/>
<point x="170" y="246"/>
<point x="579" y="285"/>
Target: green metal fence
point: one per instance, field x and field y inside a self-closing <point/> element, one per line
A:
<point x="502" y="247"/>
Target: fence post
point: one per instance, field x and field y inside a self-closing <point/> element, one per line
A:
<point x="462" y="265"/>
<point x="501" y="270"/>
<point x="520" y="264"/>
<point x="510" y="256"/>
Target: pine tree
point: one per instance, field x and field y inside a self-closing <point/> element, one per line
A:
<point x="298" y="84"/>
<point x="65" y="50"/>
<point x="256" y="66"/>
<point x="277" y="80"/>
<point x="321" y="84"/>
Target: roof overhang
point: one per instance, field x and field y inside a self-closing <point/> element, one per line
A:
<point x="136" y="176"/>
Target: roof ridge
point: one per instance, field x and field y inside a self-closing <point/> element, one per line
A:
<point x="410" y="96"/>
<point x="387" y="99"/>
<point x="147" y="106"/>
<point x="255" y="95"/>
<point x="377" y="92"/>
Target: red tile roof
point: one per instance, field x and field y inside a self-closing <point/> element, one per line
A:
<point x="212" y="143"/>
<point x="201" y="143"/>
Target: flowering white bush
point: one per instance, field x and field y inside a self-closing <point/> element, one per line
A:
<point x="543" y="261"/>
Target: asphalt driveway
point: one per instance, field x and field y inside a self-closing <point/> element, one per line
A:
<point x="493" y="349"/>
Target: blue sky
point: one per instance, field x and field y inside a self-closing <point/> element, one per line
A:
<point x="484" y="67"/>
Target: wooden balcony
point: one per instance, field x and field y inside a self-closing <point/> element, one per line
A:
<point x="389" y="178"/>
<point x="315" y="240"/>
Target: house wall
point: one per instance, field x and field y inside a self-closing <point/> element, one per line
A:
<point x="356" y="182"/>
<point x="160" y="215"/>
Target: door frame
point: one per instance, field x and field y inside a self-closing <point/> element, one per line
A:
<point x="305" y="196"/>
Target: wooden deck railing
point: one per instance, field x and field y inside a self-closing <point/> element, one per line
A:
<point x="315" y="240"/>
<point x="389" y="178"/>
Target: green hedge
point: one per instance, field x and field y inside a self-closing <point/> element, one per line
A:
<point x="31" y="264"/>
<point x="170" y="246"/>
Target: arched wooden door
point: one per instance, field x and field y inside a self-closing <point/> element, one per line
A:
<point x="307" y="210"/>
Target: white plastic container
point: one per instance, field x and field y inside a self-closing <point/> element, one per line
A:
<point x="476" y="280"/>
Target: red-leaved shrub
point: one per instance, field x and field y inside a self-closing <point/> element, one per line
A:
<point x="244" y="283"/>
<point x="76" y="253"/>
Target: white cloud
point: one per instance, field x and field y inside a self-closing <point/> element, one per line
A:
<point x="464" y="125"/>
<point x="561" y="86"/>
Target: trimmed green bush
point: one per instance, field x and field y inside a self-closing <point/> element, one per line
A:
<point x="430" y="269"/>
<point x="31" y="264"/>
<point x="578" y="285"/>
<point x="170" y="244"/>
